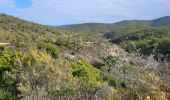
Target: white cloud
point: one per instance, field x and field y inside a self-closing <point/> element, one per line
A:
<point x="78" y="11"/>
<point x="73" y="10"/>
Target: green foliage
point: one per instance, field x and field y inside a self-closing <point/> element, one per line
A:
<point x="164" y="21"/>
<point x="112" y="61"/>
<point x="114" y="64"/>
<point x="52" y="66"/>
<point x="147" y="41"/>
<point x="120" y="28"/>
<point x="7" y="73"/>
<point x="86" y="73"/>
<point x="88" y="28"/>
<point x="5" y="95"/>
<point x="50" y="48"/>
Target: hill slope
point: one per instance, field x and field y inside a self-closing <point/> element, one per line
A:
<point x="48" y="63"/>
<point x="164" y="21"/>
<point x="122" y="25"/>
<point x="88" y="28"/>
<point x="147" y="41"/>
<point x="130" y="30"/>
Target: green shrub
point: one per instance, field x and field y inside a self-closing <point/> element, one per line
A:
<point x="112" y="82"/>
<point x="113" y="61"/>
<point x="5" y="95"/>
<point x="50" y="48"/>
<point x="86" y="73"/>
<point x="8" y="72"/>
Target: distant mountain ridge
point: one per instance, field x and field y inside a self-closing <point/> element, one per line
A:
<point x="105" y="27"/>
<point x="163" y="21"/>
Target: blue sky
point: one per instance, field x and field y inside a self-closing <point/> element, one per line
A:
<point x="61" y="12"/>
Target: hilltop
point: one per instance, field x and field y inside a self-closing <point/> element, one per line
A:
<point x="149" y="36"/>
<point x="122" y="25"/>
<point x="164" y="21"/>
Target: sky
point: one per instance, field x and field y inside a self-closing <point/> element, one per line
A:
<point x="63" y="12"/>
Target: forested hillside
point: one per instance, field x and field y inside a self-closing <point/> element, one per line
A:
<point x="144" y="36"/>
<point x="148" y="41"/>
<point x="122" y="26"/>
<point x="48" y="63"/>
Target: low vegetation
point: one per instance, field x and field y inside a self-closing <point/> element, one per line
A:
<point x="45" y="63"/>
